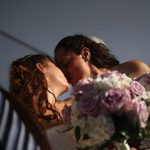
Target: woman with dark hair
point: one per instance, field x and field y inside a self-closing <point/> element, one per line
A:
<point x="79" y="56"/>
<point x="36" y="82"/>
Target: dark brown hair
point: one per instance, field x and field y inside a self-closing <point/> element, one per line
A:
<point x="29" y="85"/>
<point x="100" y="54"/>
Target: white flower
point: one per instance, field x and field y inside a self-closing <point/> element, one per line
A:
<point x="113" y="81"/>
<point x="148" y="94"/>
<point x="99" y="130"/>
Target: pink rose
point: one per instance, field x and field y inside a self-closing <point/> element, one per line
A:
<point x="143" y="114"/>
<point x="145" y="77"/>
<point x="138" y="112"/>
<point x="89" y="103"/>
<point x="144" y="80"/>
<point x="83" y="85"/>
<point x="137" y="89"/>
<point x="110" y="73"/>
<point x="116" y="99"/>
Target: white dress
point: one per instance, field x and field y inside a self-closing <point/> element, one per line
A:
<point x="59" y="139"/>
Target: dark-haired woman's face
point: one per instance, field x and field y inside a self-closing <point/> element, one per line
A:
<point x="72" y="65"/>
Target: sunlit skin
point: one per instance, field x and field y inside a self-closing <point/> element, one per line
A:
<point x="55" y="75"/>
<point x="133" y="68"/>
<point x="57" y="84"/>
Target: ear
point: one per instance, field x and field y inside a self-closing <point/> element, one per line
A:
<point x="41" y="68"/>
<point x="85" y="52"/>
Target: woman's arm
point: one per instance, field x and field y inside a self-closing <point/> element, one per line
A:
<point x="133" y="68"/>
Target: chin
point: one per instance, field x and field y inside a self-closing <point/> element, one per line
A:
<point x="67" y="87"/>
<point x="73" y="83"/>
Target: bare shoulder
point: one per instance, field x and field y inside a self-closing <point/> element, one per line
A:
<point x="137" y="65"/>
<point x="133" y="68"/>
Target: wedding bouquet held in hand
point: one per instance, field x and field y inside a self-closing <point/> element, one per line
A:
<point x="110" y="110"/>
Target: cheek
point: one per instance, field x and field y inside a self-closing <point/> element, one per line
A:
<point x="80" y="68"/>
<point x="60" y="75"/>
<point x="52" y="74"/>
<point x="77" y="64"/>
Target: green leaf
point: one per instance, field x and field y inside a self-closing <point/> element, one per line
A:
<point x="77" y="133"/>
<point x="124" y="147"/>
<point x="86" y="137"/>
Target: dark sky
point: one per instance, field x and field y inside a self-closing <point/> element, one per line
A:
<point x="124" y="25"/>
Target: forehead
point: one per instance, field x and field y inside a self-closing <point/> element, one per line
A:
<point x="61" y="55"/>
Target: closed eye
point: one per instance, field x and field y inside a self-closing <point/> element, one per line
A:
<point x="64" y="64"/>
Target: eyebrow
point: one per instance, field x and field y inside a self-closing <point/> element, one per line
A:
<point x="60" y="61"/>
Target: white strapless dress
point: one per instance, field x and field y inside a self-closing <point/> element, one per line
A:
<point x="60" y="140"/>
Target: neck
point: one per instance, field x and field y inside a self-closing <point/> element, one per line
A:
<point x="95" y="71"/>
<point x="51" y="97"/>
<point x="55" y="88"/>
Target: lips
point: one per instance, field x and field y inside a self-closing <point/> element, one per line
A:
<point x="73" y="81"/>
<point x="72" y="78"/>
<point x="69" y="78"/>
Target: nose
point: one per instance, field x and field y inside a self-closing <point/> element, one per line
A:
<point x="68" y="72"/>
<point x="65" y="72"/>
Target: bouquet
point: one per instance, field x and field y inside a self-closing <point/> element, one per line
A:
<point x="110" y="110"/>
